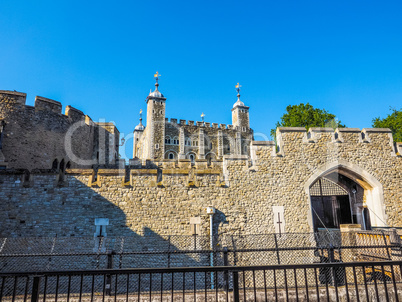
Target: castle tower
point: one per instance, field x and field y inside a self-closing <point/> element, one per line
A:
<point x="138" y="132"/>
<point x="240" y="116"/>
<point x="155" y="130"/>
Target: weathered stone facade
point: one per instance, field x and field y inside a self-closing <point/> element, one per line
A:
<point x="161" y="196"/>
<point x="41" y="137"/>
<point x="164" y="139"/>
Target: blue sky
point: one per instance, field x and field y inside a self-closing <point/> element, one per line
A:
<point x="100" y="57"/>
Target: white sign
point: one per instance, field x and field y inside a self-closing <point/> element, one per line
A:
<point x="279" y="219"/>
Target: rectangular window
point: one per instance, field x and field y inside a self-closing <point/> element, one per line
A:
<point x="157" y="146"/>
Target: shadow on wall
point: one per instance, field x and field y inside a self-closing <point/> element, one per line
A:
<point x="42" y="206"/>
<point x="54" y="224"/>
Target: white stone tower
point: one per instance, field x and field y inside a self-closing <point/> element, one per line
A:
<point x="155" y="130"/>
<point x="240" y="115"/>
<point x="138" y="132"/>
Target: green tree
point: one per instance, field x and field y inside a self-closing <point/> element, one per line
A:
<point x="305" y="115"/>
<point x="393" y="121"/>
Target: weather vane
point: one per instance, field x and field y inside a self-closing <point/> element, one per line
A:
<point x="202" y="116"/>
<point x="156" y="76"/>
<point x="238" y="88"/>
<point x="140" y="113"/>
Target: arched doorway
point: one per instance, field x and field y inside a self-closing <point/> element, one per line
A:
<point x="343" y="193"/>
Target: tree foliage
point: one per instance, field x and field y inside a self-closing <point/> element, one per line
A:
<point x="393" y="121"/>
<point x="305" y="115"/>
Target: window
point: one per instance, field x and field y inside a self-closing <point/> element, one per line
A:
<point x="55" y="164"/>
<point x="160" y="111"/>
<point x="171" y="155"/>
<point x="243" y="129"/>
<point x="61" y="166"/>
<point x="157" y="146"/>
<point x="192" y="158"/>
<point x="188" y="142"/>
<point x="167" y="140"/>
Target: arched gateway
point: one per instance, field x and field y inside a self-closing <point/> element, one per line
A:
<point x="343" y="193"/>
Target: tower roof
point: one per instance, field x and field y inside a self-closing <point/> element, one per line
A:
<point x="140" y="126"/>
<point x="238" y="103"/>
<point x="156" y="93"/>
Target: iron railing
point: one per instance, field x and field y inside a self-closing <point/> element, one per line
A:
<point x="368" y="281"/>
<point x="73" y="253"/>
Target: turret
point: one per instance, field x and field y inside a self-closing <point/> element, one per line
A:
<point x="240" y="117"/>
<point x="138" y="132"/>
<point x="155" y="123"/>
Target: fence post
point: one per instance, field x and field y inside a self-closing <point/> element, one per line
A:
<point x="108" y="276"/>
<point x="35" y="289"/>
<point x="386" y="245"/>
<point x="225" y="263"/>
<point x="277" y="248"/>
<point x="168" y="264"/>
<point x="331" y="257"/>
<point x="236" y="294"/>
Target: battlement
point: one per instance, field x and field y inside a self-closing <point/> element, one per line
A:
<point x="181" y="122"/>
<point x="42" y="105"/>
<point x="74" y="113"/>
<point x="288" y="138"/>
<point x="18" y="97"/>
<point x="45" y="104"/>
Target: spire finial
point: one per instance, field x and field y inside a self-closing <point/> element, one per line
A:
<point x="238" y="90"/>
<point x="202" y="116"/>
<point x="156" y="76"/>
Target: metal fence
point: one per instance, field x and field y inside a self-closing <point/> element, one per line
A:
<point x="73" y="253"/>
<point x="301" y="282"/>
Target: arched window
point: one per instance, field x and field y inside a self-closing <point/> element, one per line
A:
<point x="167" y="140"/>
<point x="55" y="164"/>
<point x="61" y="167"/>
<point x="68" y="166"/>
<point x="188" y="142"/>
<point x="171" y="155"/>
<point x="192" y="158"/>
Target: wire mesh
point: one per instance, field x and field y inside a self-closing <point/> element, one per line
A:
<point x="39" y="254"/>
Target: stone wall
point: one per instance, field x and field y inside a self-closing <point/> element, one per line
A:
<point x="36" y="137"/>
<point x="161" y="197"/>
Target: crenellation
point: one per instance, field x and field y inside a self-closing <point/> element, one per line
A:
<point x="349" y="135"/>
<point x="173" y="120"/>
<point x="398" y="149"/>
<point x="74" y="113"/>
<point x="190" y="123"/>
<point x="45" y="104"/>
<point x="324" y="134"/>
<point x="208" y="125"/>
<point x="182" y="122"/>
<point x="222" y="126"/>
<point x="17" y="98"/>
<point x="215" y="125"/>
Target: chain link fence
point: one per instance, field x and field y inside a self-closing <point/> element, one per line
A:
<point x="73" y="253"/>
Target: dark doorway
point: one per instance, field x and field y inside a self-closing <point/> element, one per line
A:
<point x="331" y="204"/>
<point x="331" y="211"/>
